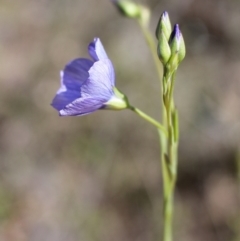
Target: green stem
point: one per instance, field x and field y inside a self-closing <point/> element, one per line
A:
<point x="169" y="163"/>
<point x="169" y="145"/>
<point x="168" y="217"/>
<point x="149" y="119"/>
<point x="169" y="180"/>
<point x="152" y="46"/>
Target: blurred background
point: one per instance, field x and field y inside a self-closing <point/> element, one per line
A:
<point x="97" y="178"/>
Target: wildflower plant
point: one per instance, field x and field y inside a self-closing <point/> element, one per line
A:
<point x="89" y="85"/>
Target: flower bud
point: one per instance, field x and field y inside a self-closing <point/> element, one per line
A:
<point x="164" y="26"/>
<point x="177" y="47"/>
<point x="128" y="8"/>
<point x="163" y="50"/>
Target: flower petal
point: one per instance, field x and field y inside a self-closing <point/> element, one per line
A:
<point x="72" y="77"/>
<point x="100" y="82"/>
<point x="62" y="99"/>
<point x="82" y="106"/>
<point x="75" y="73"/>
<point x="96" y="50"/>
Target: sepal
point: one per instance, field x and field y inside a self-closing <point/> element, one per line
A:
<point x="164" y="26"/>
<point x="118" y="101"/>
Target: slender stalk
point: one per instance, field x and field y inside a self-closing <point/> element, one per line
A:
<point x="152" y="46"/>
<point x="169" y="140"/>
<point x="169" y="162"/>
<point x="169" y="187"/>
<point x="168" y="217"/>
<point x="149" y="119"/>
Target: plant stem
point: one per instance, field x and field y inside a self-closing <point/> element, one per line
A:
<point x="149" y="119"/>
<point x="168" y="210"/>
<point x="169" y="140"/>
<point x="152" y="46"/>
<point x="169" y="162"/>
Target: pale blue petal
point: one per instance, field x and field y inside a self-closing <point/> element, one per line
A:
<point x="82" y="106"/>
<point x="72" y="77"/>
<point x="96" y="50"/>
<point x="101" y="80"/>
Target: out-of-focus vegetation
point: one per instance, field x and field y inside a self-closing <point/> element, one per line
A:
<point x="97" y="178"/>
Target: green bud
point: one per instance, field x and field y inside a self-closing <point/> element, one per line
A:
<point x="164" y="26"/>
<point x="163" y="50"/>
<point x="177" y="47"/>
<point x="128" y="8"/>
<point x="182" y="50"/>
<point x="133" y="10"/>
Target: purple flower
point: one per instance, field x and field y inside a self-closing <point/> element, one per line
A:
<point x="88" y="85"/>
